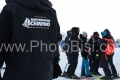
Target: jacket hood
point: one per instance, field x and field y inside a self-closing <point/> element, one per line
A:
<point x="109" y="37"/>
<point x="75" y="30"/>
<point x="96" y="35"/>
<point x="39" y="5"/>
<point x="105" y="33"/>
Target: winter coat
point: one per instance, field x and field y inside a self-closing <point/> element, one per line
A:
<point x="104" y="59"/>
<point x="83" y="46"/>
<point x="74" y="41"/>
<point x="30" y="23"/>
<point x="94" y="45"/>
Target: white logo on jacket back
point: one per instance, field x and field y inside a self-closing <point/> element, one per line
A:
<point x="36" y="23"/>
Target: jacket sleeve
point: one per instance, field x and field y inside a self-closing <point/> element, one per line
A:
<point x="90" y="42"/>
<point x="5" y="32"/>
<point x="59" y="36"/>
<point x="102" y="45"/>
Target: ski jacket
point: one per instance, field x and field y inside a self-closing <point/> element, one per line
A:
<point x="104" y="59"/>
<point x="83" y="46"/>
<point x="30" y="24"/>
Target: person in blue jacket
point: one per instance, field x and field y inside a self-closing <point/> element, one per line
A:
<point x="84" y="53"/>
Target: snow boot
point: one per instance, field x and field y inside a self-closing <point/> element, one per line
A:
<point x="64" y="74"/>
<point x="73" y="77"/>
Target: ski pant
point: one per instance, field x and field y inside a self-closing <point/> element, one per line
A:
<point x="67" y="67"/>
<point x="112" y="67"/>
<point x="73" y="63"/>
<point x="85" y="66"/>
<point x="107" y="72"/>
<point x="67" y="54"/>
<point x="94" y="63"/>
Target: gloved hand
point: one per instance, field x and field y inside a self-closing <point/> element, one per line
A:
<point x="89" y="50"/>
<point x="56" y="68"/>
<point x="97" y="55"/>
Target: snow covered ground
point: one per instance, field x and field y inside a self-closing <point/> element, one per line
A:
<point x="63" y="62"/>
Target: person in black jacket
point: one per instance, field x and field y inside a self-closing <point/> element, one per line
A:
<point x="94" y="56"/>
<point x="107" y="60"/>
<point x="84" y="53"/>
<point x="73" y="52"/>
<point x="34" y="25"/>
<point x="65" y="49"/>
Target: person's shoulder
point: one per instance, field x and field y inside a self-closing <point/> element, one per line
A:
<point x="9" y="6"/>
<point x="91" y="39"/>
<point x="53" y="11"/>
<point x="103" y="40"/>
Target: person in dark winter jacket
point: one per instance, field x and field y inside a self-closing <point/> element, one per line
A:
<point x="107" y="59"/>
<point x="84" y="53"/>
<point x="33" y="25"/>
<point x="94" y="56"/>
<point x="65" y="49"/>
<point x="73" y="53"/>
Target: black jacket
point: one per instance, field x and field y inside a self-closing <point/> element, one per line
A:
<point x="94" y="45"/>
<point x="67" y="37"/>
<point x="83" y="46"/>
<point x="29" y="23"/>
<point x="65" y="47"/>
<point x="74" y="41"/>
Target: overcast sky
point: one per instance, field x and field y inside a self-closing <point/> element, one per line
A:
<point x="88" y="15"/>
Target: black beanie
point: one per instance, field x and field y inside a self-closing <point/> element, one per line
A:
<point x="95" y="33"/>
<point x="75" y="30"/>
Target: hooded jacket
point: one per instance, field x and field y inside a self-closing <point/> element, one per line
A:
<point x="83" y="46"/>
<point x="31" y="24"/>
<point x="94" y="42"/>
<point x="73" y="40"/>
<point x="65" y="47"/>
<point x="103" y="60"/>
<point x="106" y="33"/>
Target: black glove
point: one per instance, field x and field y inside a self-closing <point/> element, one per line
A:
<point x="56" y="68"/>
<point x="96" y="55"/>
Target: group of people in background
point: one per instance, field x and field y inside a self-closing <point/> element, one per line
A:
<point x="93" y="54"/>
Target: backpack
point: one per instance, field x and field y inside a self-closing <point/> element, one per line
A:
<point x="110" y="47"/>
